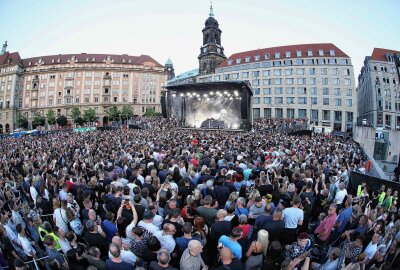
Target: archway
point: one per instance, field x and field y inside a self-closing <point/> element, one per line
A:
<point x="7" y="128"/>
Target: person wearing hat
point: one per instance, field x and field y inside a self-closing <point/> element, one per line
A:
<point x="147" y="222"/>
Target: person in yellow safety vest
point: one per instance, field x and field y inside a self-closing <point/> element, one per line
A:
<point x="360" y="188"/>
<point x="46" y="229"/>
<point x="387" y="202"/>
<point x="382" y="194"/>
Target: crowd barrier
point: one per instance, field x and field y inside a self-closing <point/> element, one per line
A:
<point x="373" y="183"/>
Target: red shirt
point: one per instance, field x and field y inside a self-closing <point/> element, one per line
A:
<point x="326" y="225"/>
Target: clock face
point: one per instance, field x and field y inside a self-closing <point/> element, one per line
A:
<point x="219" y="50"/>
<point x="204" y="49"/>
<point x="169" y="69"/>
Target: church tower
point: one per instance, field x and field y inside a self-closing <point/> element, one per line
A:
<point x="211" y="53"/>
<point x="169" y="68"/>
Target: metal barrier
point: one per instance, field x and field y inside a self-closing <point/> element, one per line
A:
<point x="373" y="183"/>
<point x="48" y="218"/>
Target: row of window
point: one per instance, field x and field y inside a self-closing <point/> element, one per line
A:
<point x="301" y="90"/>
<point x="278" y="63"/>
<point x="278" y="55"/>
<point x="301" y="100"/>
<point x="304" y="113"/>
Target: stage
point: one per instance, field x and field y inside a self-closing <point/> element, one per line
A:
<point x="210" y="106"/>
<point x="212" y="129"/>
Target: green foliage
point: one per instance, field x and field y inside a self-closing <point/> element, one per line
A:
<point x="22" y="121"/>
<point x="80" y="121"/>
<point x="113" y="113"/>
<point x="38" y="120"/>
<point x="150" y="112"/>
<point x="51" y="117"/>
<point x="75" y="113"/>
<point x="89" y="115"/>
<point x="126" y="112"/>
<point x="62" y="120"/>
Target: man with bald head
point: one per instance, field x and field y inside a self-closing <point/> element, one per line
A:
<point x="191" y="257"/>
<point x="126" y="255"/>
<point x="166" y="237"/>
<point x="115" y="262"/>
<point x="228" y="261"/>
<point x="221" y="227"/>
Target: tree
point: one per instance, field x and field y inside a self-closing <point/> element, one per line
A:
<point x="38" y="120"/>
<point x="126" y="112"/>
<point x="150" y="112"/>
<point x="51" y="117"/>
<point x="113" y="113"/>
<point x="75" y="113"/>
<point x="22" y="121"/>
<point x="62" y="121"/>
<point x="89" y="115"/>
<point x="80" y="121"/>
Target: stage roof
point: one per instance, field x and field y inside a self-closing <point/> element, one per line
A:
<point x="212" y="86"/>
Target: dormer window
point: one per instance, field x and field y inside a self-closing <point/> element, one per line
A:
<point x="238" y="61"/>
<point x="332" y="52"/>
<point x="229" y="62"/>
<point x="266" y="56"/>
<point x="257" y="58"/>
<point x="298" y="53"/>
<point x="277" y="55"/>
<point x="287" y="54"/>
<point x="52" y="60"/>
<point x="247" y="59"/>
<point x="30" y="63"/>
<point x="93" y="59"/>
<point x="58" y="60"/>
<point x="321" y="52"/>
<point x="123" y="60"/>
<point x="309" y="53"/>
<point x="129" y="60"/>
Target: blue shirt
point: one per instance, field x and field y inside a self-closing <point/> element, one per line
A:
<point x="109" y="229"/>
<point x="240" y="211"/>
<point x="234" y="246"/>
<point x="343" y="217"/>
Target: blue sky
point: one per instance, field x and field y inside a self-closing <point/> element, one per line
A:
<point x="162" y="28"/>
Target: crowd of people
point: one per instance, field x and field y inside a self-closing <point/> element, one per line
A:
<point x="166" y="198"/>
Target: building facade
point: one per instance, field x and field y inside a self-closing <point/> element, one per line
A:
<point x="61" y="82"/>
<point x="311" y="81"/>
<point x="379" y="90"/>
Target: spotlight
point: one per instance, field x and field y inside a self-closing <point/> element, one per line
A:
<point x="182" y="95"/>
<point x="236" y="93"/>
<point x="173" y="95"/>
<point x="188" y="94"/>
<point x="225" y="92"/>
<point x="205" y="95"/>
<point x="208" y="99"/>
<point x="231" y="98"/>
<point x="211" y="93"/>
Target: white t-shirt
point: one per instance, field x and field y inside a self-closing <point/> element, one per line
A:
<point x="292" y="216"/>
<point x="158" y="220"/>
<point x="148" y="226"/>
<point x="33" y="192"/>
<point x="167" y="241"/>
<point x="371" y="250"/>
<point x="340" y="196"/>
<point x="61" y="218"/>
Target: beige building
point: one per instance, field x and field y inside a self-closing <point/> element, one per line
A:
<point x="83" y="80"/>
<point x="379" y="90"/>
<point x="311" y="81"/>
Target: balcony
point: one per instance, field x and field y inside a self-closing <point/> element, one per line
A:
<point x="35" y="79"/>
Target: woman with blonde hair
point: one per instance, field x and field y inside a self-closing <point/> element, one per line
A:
<point x="231" y="200"/>
<point x="257" y="250"/>
<point x="155" y="180"/>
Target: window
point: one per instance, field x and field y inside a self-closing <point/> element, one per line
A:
<point x="247" y="59"/>
<point x="125" y="76"/>
<point x="266" y="56"/>
<point x="257" y="58"/>
<point x="256" y="91"/>
<point x="245" y="74"/>
<point x="298" y="53"/>
<point x="88" y="83"/>
<point x="332" y="61"/>
<point x="332" y="52"/>
<point x="278" y="81"/>
<point x="229" y="62"/>
<point x="218" y="77"/>
<point x="335" y="71"/>
<point x="266" y="73"/>
<point x="267" y="100"/>
<point x="300" y="71"/>
<point x="302" y="100"/>
<point x="43" y="85"/>
<point x="302" y="91"/>
<point x="310" y="62"/>
<point x="235" y="76"/>
<point x="256" y="100"/>
<point x="279" y="100"/>
<point x="88" y="74"/>
<point x="299" y="62"/>
<point x="86" y="91"/>
<point x="349" y="102"/>
<point x="267" y="82"/>
<point x="324" y="71"/>
<point x="314" y="100"/>
<point x="277" y="55"/>
<point x="289" y="81"/>
<point x="302" y="113"/>
<point x="115" y="82"/>
<point x="321" y="52"/>
<point x="287" y="54"/>
<point x="278" y="113"/>
<point x="256" y="74"/>
<point x="96" y="99"/>
<point x="226" y="76"/>
<point x="325" y="91"/>
<point x="336" y="81"/>
<point x="266" y="64"/>
<point x="278" y="90"/>
<point x="277" y="72"/>
<point x="321" y="61"/>
<point x="338" y="102"/>
<point x="324" y="81"/>
<point x="313" y="81"/>
<point x="287" y="62"/>
<point x="290" y="113"/>
<point x="347" y="82"/>
<point x="336" y="91"/>
<point x="238" y="61"/>
<point x="290" y="100"/>
<point x="288" y="72"/>
<point x="311" y="71"/>
<point x="326" y="115"/>
<point x="309" y="53"/>
<point x="349" y="92"/>
<point x="290" y="90"/>
<point x="277" y="63"/>
<point x="338" y="116"/>
<point x="267" y="91"/>
<point x="255" y="82"/>
<point x="301" y="81"/>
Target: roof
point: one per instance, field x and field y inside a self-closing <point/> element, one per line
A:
<point x="169" y="62"/>
<point x="379" y="54"/>
<point x="9" y="58"/>
<point x="185" y="75"/>
<point x="293" y="49"/>
<point x="144" y="60"/>
<point x="213" y="86"/>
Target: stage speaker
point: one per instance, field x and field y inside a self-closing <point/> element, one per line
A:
<point x="164" y="106"/>
<point x="244" y="105"/>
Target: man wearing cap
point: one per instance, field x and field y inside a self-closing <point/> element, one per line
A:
<point x="147" y="222"/>
<point x="209" y="189"/>
<point x="207" y="211"/>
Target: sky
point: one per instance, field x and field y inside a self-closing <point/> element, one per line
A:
<point x="173" y="28"/>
